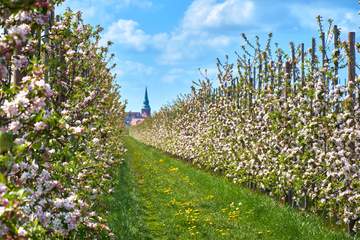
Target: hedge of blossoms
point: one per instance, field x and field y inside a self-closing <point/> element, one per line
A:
<point x="60" y="118"/>
<point x="299" y="141"/>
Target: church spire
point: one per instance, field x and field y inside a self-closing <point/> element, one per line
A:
<point x="146" y="100"/>
<point x="146" y="110"/>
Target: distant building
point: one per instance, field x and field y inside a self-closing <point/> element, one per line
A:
<point x="135" y="118"/>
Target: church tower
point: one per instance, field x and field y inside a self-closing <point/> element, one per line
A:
<point x="146" y="110"/>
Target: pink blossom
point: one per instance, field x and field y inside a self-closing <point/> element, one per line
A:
<point x="77" y="130"/>
<point x="26" y="79"/>
<point x="70" y="52"/>
<point x="23" y="16"/>
<point x="3" y="188"/>
<point x="25" y="176"/>
<point x="40" y="126"/>
<point x="45" y="175"/>
<point x="22" y="30"/>
<point x="48" y="91"/>
<point x="41" y="19"/>
<point x="21" y="98"/>
<point x="20" y="62"/>
<point x="14" y="126"/>
<point x="40" y="83"/>
<point x="19" y="141"/>
<point x="5" y="202"/>
<point x="22" y="232"/>
<point x="3" y="229"/>
<point x="39" y="103"/>
<point x="59" y="202"/>
<point x="10" y="108"/>
<point x="2" y="210"/>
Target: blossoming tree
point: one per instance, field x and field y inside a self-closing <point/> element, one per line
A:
<point x="60" y="117"/>
<point x="283" y="123"/>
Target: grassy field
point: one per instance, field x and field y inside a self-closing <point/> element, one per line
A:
<point x="159" y="197"/>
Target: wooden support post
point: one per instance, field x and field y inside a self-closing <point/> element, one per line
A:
<point x="38" y="36"/>
<point x="303" y="64"/>
<point x="272" y="76"/>
<point x="254" y="78"/>
<point x="351" y="86"/>
<point x="16" y="76"/>
<point x="351" y="226"/>
<point x="293" y="64"/>
<point x="287" y="78"/>
<point x="249" y="85"/>
<point x="289" y="197"/>
<point x="238" y="97"/>
<point x="313" y="52"/>
<point x="336" y="55"/>
<point x="266" y="69"/>
<point x="8" y="66"/>
<point x="324" y="61"/>
<point x="279" y="68"/>
<point x="351" y="62"/>
<point x="323" y="70"/>
<point x="260" y="73"/>
<point x="351" y="65"/>
<point x="46" y="56"/>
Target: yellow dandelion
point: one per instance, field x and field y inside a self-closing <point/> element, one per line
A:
<point x="173" y="169"/>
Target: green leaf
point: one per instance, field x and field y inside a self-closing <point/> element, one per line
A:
<point x="39" y="117"/>
<point x="2" y="178"/>
<point x="20" y="148"/>
<point x="6" y="141"/>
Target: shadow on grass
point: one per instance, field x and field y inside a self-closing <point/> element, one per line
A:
<point x="123" y="206"/>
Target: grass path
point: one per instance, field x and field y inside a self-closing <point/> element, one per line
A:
<point x="159" y="197"/>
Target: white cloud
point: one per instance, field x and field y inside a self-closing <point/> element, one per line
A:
<point x="173" y="47"/>
<point x="212" y="14"/>
<point x="347" y="19"/>
<point x="199" y="31"/>
<point x="89" y="12"/>
<point x="103" y="11"/>
<point x="137" y="3"/>
<point x="190" y="44"/>
<point x="132" y="73"/>
<point x="126" y="32"/>
<point x="105" y="4"/>
<point x="159" y="40"/>
<point x="178" y="74"/>
<point x="211" y="41"/>
<point x="128" y="67"/>
<point x="186" y="75"/>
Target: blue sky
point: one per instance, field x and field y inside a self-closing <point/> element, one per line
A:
<point x="161" y="44"/>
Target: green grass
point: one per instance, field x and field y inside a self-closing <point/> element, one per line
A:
<point x="159" y="197"/>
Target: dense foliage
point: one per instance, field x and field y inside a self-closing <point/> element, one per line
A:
<point x="278" y="122"/>
<point x="60" y="118"/>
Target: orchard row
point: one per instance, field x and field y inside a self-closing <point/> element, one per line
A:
<point x="60" y="117"/>
<point x="287" y="124"/>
